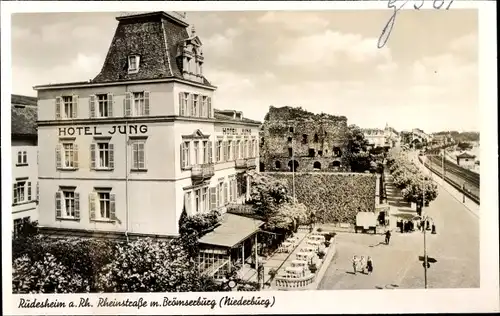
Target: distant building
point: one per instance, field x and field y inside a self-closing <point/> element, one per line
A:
<point x="295" y="139"/>
<point x="466" y="160"/>
<point x="375" y="136"/>
<point x="126" y="153"/>
<point x="24" y="159"/>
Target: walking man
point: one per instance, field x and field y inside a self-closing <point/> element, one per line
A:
<point x="387" y="237"/>
<point x="355" y="263"/>
<point x="369" y="265"/>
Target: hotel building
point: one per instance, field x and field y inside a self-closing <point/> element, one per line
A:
<point x="24" y="160"/>
<point x="127" y="152"/>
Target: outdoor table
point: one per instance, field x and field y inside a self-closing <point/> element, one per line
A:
<point x="319" y="238"/>
<point x="296" y="271"/>
<point x="299" y="263"/>
<point x="309" y="249"/>
<point x="306" y="256"/>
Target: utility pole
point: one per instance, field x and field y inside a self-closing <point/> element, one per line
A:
<point x="425" y="241"/>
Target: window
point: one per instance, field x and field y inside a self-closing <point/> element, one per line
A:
<point x="104" y="205"/>
<point x="22" y="158"/>
<point x="21" y="192"/>
<point x="138" y="155"/>
<point x="103" y="105"/>
<point x="196" y="153"/>
<point x="67" y="156"/>
<point x="197" y="201"/>
<point x="290" y="129"/>
<point x="290" y="152"/>
<point x="205" y="152"/>
<point x="204" y="199"/>
<point x="183" y="103"/>
<point x="67" y="204"/>
<point x="277" y="164"/>
<point x="68" y="107"/>
<point x="185" y="157"/>
<point x="19" y="223"/>
<point x="196" y="110"/>
<point x="133" y="64"/>
<point x="304" y="138"/>
<point x="104" y="155"/>
<point x="204" y="107"/>
<point x="138" y="107"/>
<point x="187" y="202"/>
<point x="220" y="193"/>
<point x="219" y="151"/>
<point x="289" y="139"/>
<point x="316" y="139"/>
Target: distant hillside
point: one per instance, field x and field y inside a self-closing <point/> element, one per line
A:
<point x="461" y="137"/>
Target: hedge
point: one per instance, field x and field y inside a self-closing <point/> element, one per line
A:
<point x="335" y="197"/>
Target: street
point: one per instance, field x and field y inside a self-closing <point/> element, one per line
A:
<point x="455" y="247"/>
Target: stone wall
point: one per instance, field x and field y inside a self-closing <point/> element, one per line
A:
<point x="308" y="138"/>
<point x="336" y="197"/>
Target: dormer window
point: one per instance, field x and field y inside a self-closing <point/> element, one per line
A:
<point x="133" y="64"/>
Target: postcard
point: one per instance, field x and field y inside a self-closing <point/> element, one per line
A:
<point x="249" y="157"/>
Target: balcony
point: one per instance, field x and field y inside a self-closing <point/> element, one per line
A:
<point x="203" y="171"/>
<point x="246" y="163"/>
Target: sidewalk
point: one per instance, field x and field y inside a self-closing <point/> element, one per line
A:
<point x="399" y="209"/>
<point x="448" y="189"/>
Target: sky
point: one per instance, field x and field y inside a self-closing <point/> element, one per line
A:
<point x="426" y="76"/>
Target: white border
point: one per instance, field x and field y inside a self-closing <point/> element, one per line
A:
<point x="485" y="299"/>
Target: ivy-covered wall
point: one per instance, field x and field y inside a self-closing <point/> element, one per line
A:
<point x="336" y="197"/>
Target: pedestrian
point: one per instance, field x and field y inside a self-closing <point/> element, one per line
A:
<point x="433" y="228"/>
<point x="387" y="237"/>
<point x="401" y="226"/>
<point x="362" y="263"/>
<point x="355" y="263"/>
<point x="422" y="224"/>
<point x="369" y="265"/>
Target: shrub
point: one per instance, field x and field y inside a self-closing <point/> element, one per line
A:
<point x="333" y="197"/>
<point x="321" y="254"/>
<point x="150" y="266"/>
<point x="47" y="275"/>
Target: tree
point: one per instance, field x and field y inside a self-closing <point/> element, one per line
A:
<point x="464" y="146"/>
<point x="357" y="155"/>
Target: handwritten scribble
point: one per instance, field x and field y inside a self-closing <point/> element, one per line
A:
<point x="397" y="5"/>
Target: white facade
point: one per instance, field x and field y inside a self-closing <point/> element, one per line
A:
<point x="134" y="166"/>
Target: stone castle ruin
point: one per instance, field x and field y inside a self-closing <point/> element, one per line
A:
<point x="298" y="140"/>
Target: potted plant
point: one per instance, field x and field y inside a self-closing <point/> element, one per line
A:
<point x="321" y="254"/>
<point x="313" y="268"/>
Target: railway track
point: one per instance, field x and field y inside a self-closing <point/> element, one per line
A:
<point x="463" y="180"/>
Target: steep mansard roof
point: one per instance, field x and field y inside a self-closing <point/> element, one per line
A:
<point x="156" y="37"/>
<point x="23" y="115"/>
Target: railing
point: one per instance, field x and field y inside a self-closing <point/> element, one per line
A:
<point x="245" y="163"/>
<point x="203" y="171"/>
<point x="288" y="283"/>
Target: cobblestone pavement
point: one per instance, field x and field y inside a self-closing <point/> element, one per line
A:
<point x="455" y="247"/>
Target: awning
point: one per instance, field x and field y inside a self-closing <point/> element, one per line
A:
<point x="233" y="230"/>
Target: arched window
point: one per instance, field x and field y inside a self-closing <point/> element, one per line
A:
<point x="337" y="152"/>
<point x="336" y="164"/>
<point x="317" y="165"/>
<point x="293" y="165"/>
<point x="304" y="138"/>
<point x="277" y="164"/>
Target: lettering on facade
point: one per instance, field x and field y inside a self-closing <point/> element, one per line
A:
<point x="93" y="130"/>
<point x="236" y="131"/>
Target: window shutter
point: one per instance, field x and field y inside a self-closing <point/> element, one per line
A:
<point x="111" y="104"/>
<point x="92" y="105"/>
<point x="146" y="102"/>
<point x="213" y="198"/>
<point x="230" y="190"/>
<point x="135" y="156"/>
<point x="209" y="102"/>
<point x="92" y="156"/>
<point x="235" y="194"/>
<point x="181" y="104"/>
<point x="14" y="193"/>
<point x="75" y="155"/>
<point x="111" y="156"/>
<point x="75" y="107"/>
<point x="183" y="158"/>
<point x="29" y="191"/>
<point x="127" y="101"/>
<point x="112" y="208"/>
<point x="224" y="151"/>
<point x="77" y="205"/>
<point x="58" y="108"/>
<point x="141" y="155"/>
<point x="210" y="152"/>
<point x="58" y="156"/>
<point x="92" y="206"/>
<point x="38" y="191"/>
<point x="58" y="204"/>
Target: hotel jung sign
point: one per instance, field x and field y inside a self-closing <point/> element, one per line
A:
<point x="112" y="130"/>
<point x="236" y="131"/>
